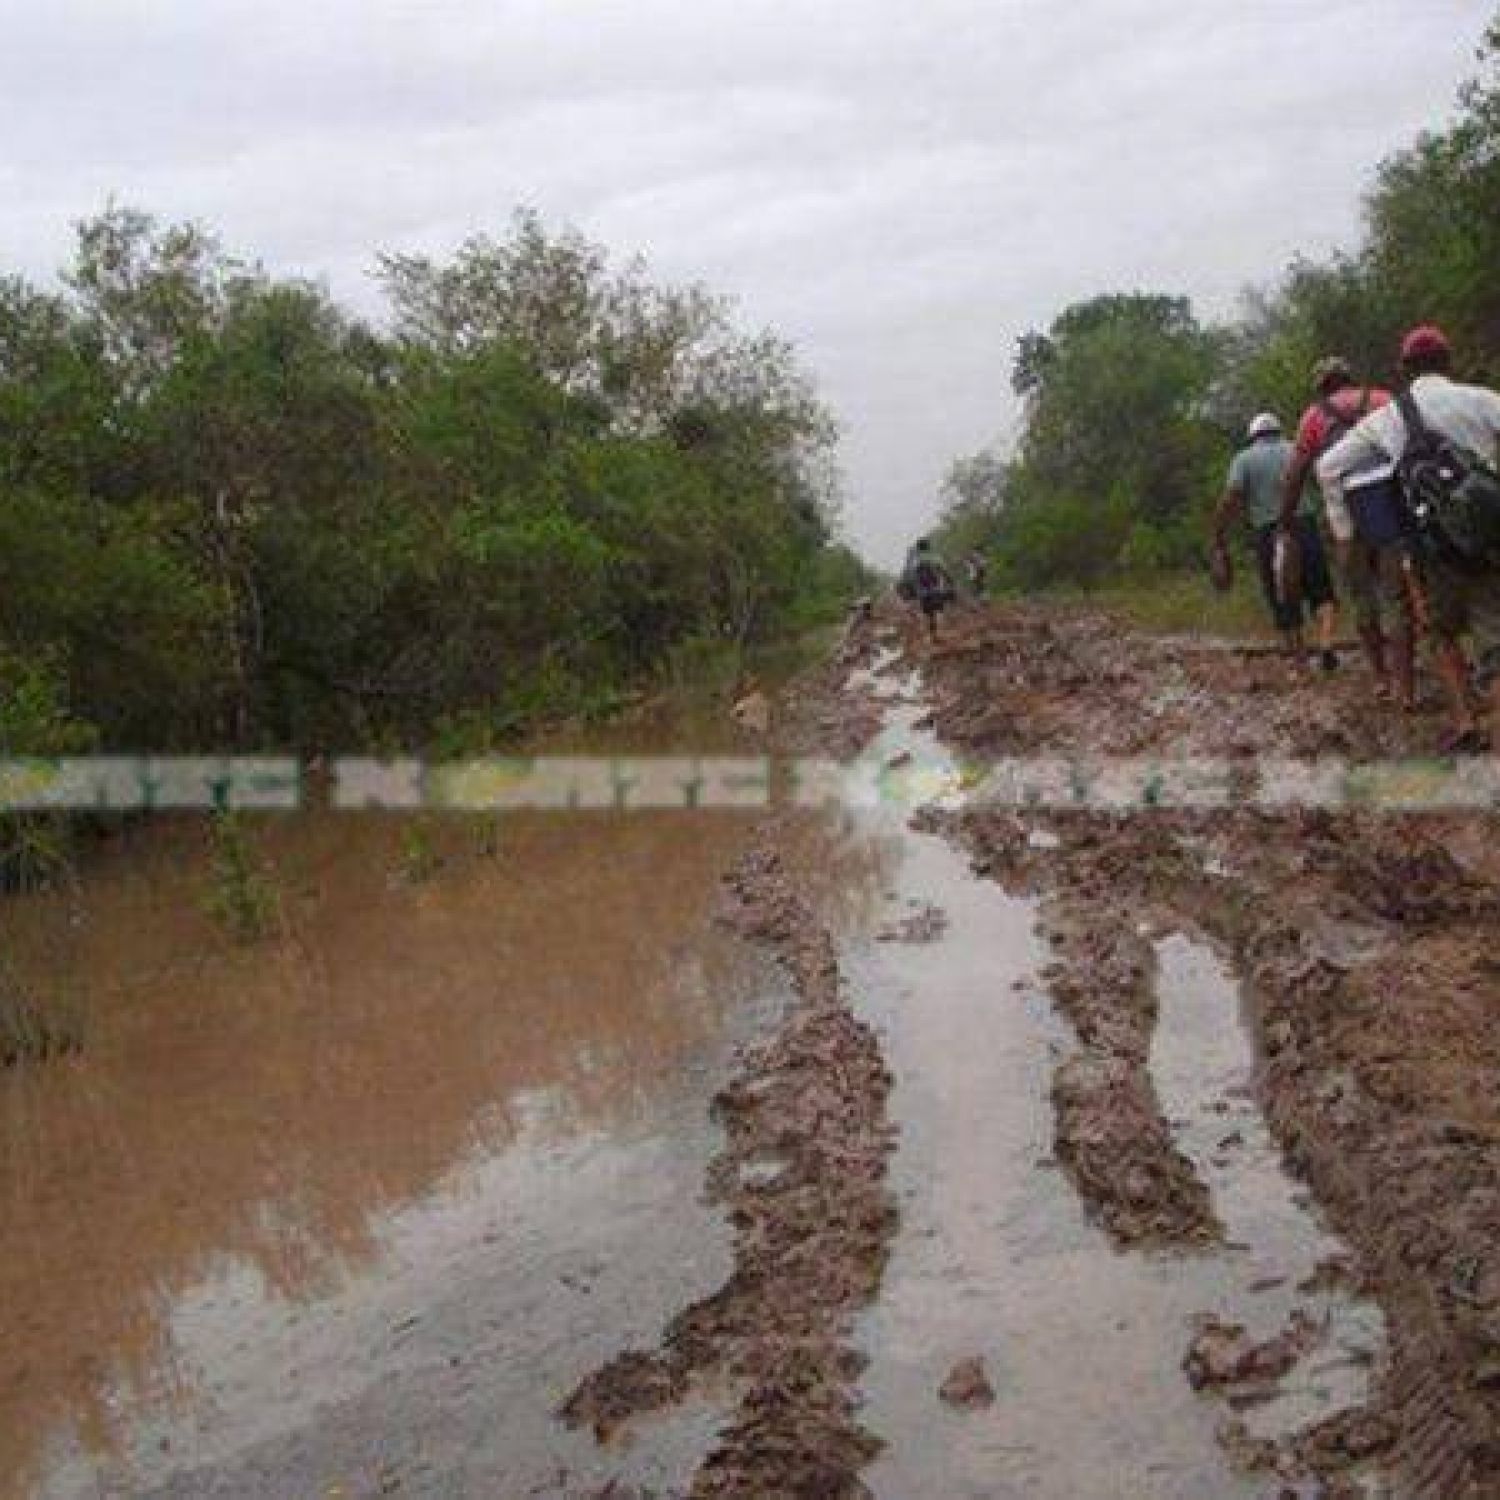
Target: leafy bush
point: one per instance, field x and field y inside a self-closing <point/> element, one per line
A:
<point x="234" y="515"/>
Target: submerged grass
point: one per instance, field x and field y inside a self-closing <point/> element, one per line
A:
<point x="242" y="896"/>
<point x="34" y="1027"/>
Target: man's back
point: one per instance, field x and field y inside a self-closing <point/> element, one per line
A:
<point x="1257" y="473"/>
<point x="1464" y="414"/>
<point x="1331" y="416"/>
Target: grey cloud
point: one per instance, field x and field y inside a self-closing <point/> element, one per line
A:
<point x="901" y="189"/>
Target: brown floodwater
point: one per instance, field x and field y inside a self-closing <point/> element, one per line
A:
<point x="408" y="1162"/>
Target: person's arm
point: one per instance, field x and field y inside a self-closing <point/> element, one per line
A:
<point x="1292" y="486"/>
<point x="1230" y="507"/>
<point x="1359" y="448"/>
<point x="1355" y="450"/>
<point x="1376" y="440"/>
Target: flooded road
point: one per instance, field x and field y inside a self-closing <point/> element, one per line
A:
<point x="995" y="1258"/>
<point x="349" y="1210"/>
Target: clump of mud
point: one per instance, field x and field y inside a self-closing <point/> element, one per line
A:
<point x="967" y="1385"/>
<point x="803" y="1176"/>
<point x="925" y="923"/>
<point x="1224" y="1354"/>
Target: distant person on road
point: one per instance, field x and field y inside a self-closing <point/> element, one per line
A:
<point x="976" y="573"/>
<point x="1376" y="558"/>
<point x="1444" y="439"/>
<point x="927" y="583"/>
<point x="1296" y="570"/>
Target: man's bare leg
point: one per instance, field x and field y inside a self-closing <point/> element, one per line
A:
<point x="1328" y="624"/>
<point x="1453" y="668"/>
<point x="1372" y="638"/>
<point x="1328" y="621"/>
<point x="1404" y="662"/>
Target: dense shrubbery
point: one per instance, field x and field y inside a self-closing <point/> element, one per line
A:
<point x="231" y="514"/>
<point x="1133" y="406"/>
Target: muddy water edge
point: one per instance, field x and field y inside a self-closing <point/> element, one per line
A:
<point x="348" y="1209"/>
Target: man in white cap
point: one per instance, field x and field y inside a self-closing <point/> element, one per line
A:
<point x="1253" y="488"/>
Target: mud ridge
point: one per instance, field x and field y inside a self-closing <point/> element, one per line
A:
<point x="1111" y="1135"/>
<point x="802" y="1177"/>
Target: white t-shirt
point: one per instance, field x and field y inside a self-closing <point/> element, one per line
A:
<point x="1465" y="414"/>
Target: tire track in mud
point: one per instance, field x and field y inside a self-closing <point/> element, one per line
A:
<point x="802" y="1176"/>
<point x="1367" y="947"/>
<point x="1112" y="1136"/>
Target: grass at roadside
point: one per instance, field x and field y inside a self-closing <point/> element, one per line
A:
<point x="1178" y="604"/>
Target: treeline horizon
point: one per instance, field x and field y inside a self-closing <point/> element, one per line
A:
<point x="1133" y="404"/>
<point x="236" y="515"/>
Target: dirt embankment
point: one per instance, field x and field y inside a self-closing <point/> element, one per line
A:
<point x="803" y="1178"/>
<point x="1368" y="942"/>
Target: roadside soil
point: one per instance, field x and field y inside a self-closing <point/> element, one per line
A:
<point x="1367" y="943"/>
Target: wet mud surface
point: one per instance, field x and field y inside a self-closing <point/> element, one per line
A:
<point x="802" y="1176"/>
<point x="1367" y="945"/>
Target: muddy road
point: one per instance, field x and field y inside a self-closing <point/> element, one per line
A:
<point x="912" y="1143"/>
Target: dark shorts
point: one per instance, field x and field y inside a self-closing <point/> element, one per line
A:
<point x="1317" y="581"/>
<point x="932" y="604"/>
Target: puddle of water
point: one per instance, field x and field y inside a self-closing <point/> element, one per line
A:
<point x="438" y="1372"/>
<point x="1203" y="1062"/>
<point x="994" y="1256"/>
<point x="477" y="1100"/>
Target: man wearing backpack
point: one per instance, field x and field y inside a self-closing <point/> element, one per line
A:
<point x="1444" y="439"/>
<point x="926" y="582"/>
<point x="1377" y="568"/>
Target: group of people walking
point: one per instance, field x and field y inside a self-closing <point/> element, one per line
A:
<point x="1408" y="486"/>
<point x="1405" y="486"/>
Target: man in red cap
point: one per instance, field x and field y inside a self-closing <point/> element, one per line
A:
<point x="1468" y="417"/>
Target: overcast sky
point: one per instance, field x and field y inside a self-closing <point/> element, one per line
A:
<point x="900" y="186"/>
